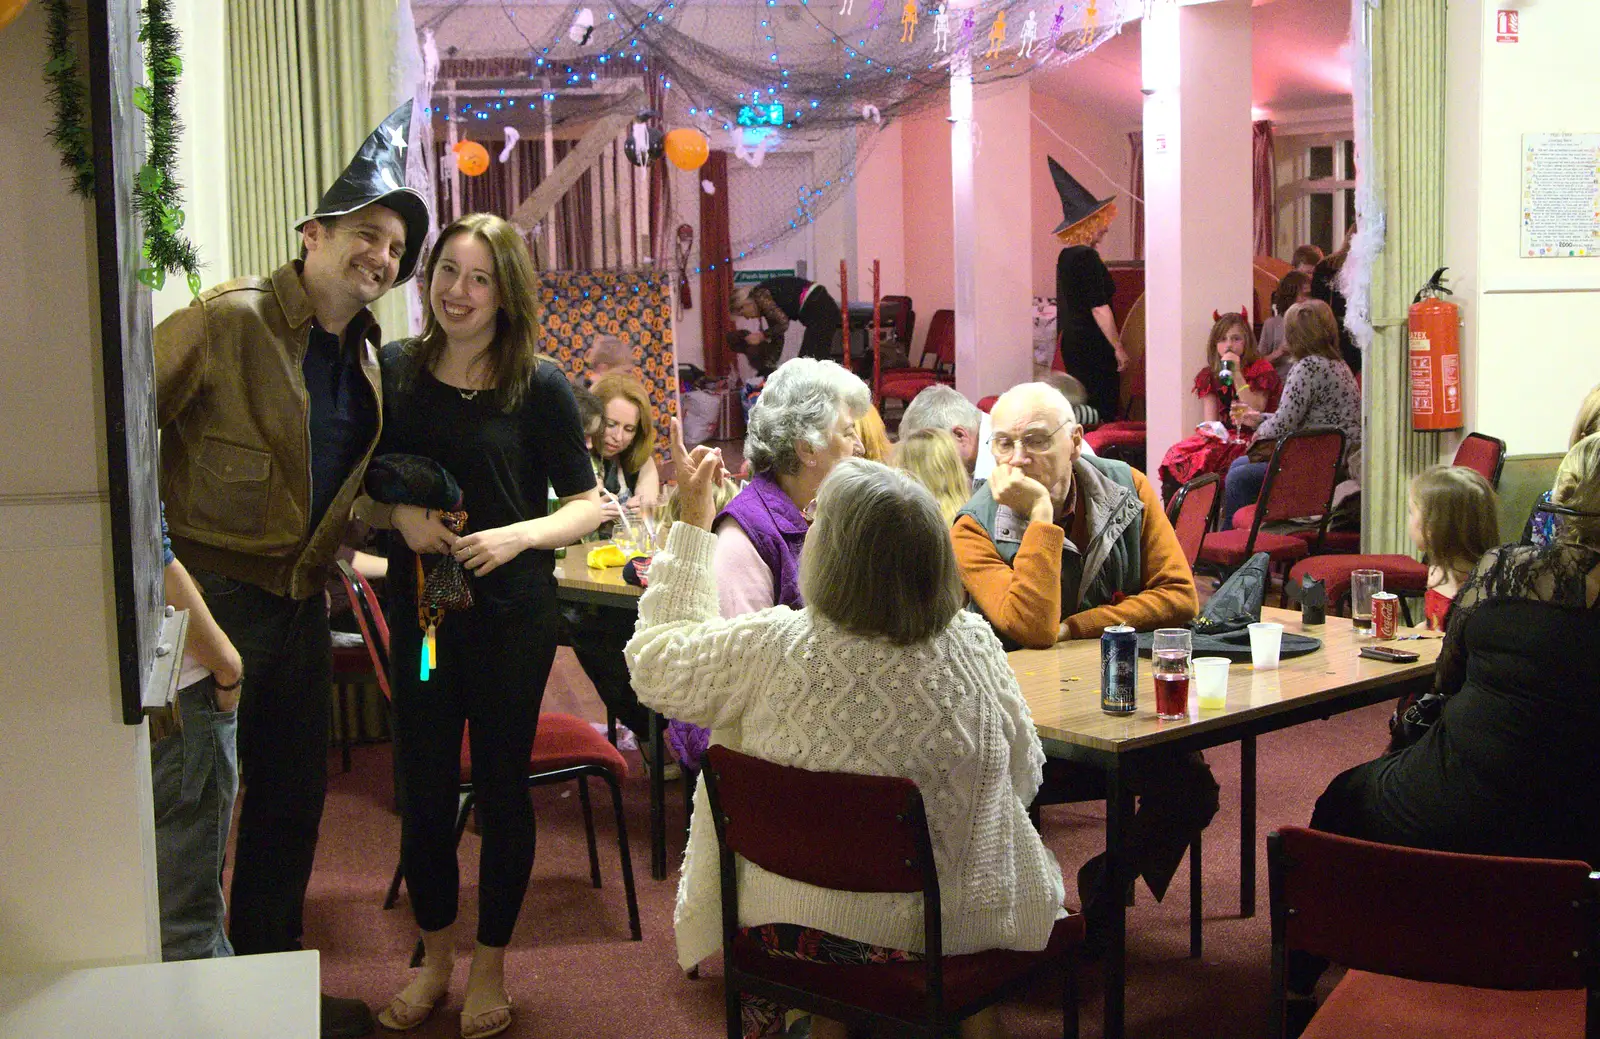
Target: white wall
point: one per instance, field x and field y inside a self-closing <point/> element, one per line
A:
<point x="1529" y="336"/>
<point x="880" y="212"/>
<point x="77" y="865"/>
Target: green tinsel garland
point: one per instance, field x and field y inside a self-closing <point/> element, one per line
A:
<point x="156" y="193"/>
<point x="67" y="94"/>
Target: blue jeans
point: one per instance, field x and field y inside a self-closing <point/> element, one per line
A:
<point x="194" y="776"/>
<point x="1243" y="487"/>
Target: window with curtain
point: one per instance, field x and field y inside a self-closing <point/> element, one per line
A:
<point x="1316" y="201"/>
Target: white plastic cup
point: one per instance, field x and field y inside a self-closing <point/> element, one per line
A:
<point x="1211" y="681"/>
<point x="1266" y="639"/>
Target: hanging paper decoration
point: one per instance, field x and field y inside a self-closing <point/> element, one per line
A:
<point x="582" y="27"/>
<point x="997" y="35"/>
<point x="875" y="14"/>
<point x="753" y="149"/>
<point x="941" y="30"/>
<point x="1030" y="34"/>
<point x="472" y="158"/>
<point x="643" y="145"/>
<point x="844" y="8"/>
<point x="908" y="21"/>
<point x="512" y="137"/>
<point x="9" y="9"/>
<point x="687" y="149"/>
<point x="870" y="113"/>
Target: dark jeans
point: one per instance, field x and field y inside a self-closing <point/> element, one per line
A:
<point x="1242" y="487"/>
<point x="597" y="635"/>
<point x="284" y="711"/>
<point x="491" y="673"/>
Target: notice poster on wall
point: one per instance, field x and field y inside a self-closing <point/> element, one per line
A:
<point x="1560" y="194"/>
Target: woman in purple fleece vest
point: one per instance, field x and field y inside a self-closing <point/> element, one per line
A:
<point x="802" y="425"/>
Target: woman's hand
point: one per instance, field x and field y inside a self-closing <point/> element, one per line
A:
<point x="486" y="550"/>
<point x="424" y="530"/>
<point x="1231" y="357"/>
<point x="699" y="473"/>
<point x="610" y="507"/>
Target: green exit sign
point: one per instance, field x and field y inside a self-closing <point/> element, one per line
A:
<point x="754" y="277"/>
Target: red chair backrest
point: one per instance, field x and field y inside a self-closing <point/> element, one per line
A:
<point x="941" y="338"/>
<point x="1191" y="511"/>
<point x="831" y="829"/>
<point x="369" y="616"/>
<point x="1302" y="475"/>
<point x="1479" y="920"/>
<point x="1484" y="453"/>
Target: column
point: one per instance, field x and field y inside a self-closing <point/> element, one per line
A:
<point x="1198" y="210"/>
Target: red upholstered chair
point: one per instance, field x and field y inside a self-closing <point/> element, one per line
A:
<point x="564" y="748"/>
<point x="857" y="833"/>
<point x="986" y="404"/>
<point x="903" y="384"/>
<point x="897" y="314"/>
<point x="1486" y="454"/>
<point x="1402" y="575"/>
<point x="1193" y="512"/>
<point x="1438" y="944"/>
<point x="1300" y="481"/>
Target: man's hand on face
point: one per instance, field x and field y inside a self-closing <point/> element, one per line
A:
<point x="1020" y="493"/>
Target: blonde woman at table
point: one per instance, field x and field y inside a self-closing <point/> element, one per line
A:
<point x="473" y="394"/>
<point x="880" y="673"/>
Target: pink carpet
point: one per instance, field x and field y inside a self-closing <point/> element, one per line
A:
<point x="574" y="974"/>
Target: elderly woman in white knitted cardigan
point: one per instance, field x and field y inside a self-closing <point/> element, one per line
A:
<point x="882" y="673"/>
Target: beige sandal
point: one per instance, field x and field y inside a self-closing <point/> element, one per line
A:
<point x="469" y="1020"/>
<point x="402" y="1015"/>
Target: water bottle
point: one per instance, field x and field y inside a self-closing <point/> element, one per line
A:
<point x="1225" y="376"/>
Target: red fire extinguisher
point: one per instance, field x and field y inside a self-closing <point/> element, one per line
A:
<point x="1435" y="358"/>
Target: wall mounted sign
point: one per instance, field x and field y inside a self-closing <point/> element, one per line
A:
<point x="1506" y="26"/>
<point x="1560" y="194"/>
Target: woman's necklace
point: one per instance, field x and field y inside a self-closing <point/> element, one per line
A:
<point x="466" y="394"/>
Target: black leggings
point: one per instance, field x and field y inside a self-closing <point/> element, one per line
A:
<point x="492" y="669"/>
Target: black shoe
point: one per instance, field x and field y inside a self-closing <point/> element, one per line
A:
<point x="344" y="1018"/>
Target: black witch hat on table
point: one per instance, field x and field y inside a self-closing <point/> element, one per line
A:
<point x="378" y="174"/>
<point x="1080" y="211"/>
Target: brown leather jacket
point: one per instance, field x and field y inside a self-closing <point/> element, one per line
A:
<point x="232" y="407"/>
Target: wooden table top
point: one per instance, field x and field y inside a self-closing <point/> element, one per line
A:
<point x="1062" y="686"/>
<point x="574" y="574"/>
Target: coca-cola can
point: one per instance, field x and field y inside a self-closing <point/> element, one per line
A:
<point x="1385" y="615"/>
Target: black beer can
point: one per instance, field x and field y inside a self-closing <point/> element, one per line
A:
<point x="1119" y="669"/>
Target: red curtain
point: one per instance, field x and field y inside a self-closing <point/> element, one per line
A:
<point x="1263" y="183"/>
<point x="716" y="272"/>
<point x="1136" y="190"/>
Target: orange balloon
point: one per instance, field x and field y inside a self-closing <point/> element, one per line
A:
<point x="687" y="149"/>
<point x="472" y="158"/>
<point x="9" y="9"/>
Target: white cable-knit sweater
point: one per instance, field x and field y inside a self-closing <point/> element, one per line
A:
<point x="793" y="688"/>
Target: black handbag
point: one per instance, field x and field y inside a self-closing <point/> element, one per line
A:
<point x="1223" y="627"/>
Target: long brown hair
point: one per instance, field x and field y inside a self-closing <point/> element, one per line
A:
<point x="1457" y="512"/>
<point x="1225" y="324"/>
<point x="615" y="385"/>
<point x="513" y="354"/>
<point x="1310" y="330"/>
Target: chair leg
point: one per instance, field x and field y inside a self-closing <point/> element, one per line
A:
<point x="1196" y="899"/>
<point x="626" y="856"/>
<point x="394" y="886"/>
<point x="341" y="700"/>
<point x="730" y="996"/>
<point x="1069" y="997"/>
<point x="588" y="830"/>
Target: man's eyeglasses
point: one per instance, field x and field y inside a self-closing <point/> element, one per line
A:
<point x="1034" y="441"/>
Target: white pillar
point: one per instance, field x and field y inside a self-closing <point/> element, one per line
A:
<point x="1198" y="209"/>
<point x="963" y="197"/>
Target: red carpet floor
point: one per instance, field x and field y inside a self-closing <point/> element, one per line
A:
<point x="573" y="972"/>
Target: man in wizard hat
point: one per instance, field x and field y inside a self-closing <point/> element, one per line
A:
<point x="267" y="394"/>
<point x="1091" y="350"/>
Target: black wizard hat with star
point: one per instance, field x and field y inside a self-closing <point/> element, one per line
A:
<point x="1077" y="204"/>
<point x="378" y="174"/>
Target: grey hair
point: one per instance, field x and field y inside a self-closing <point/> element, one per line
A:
<point x="1038" y="391"/>
<point x="878" y="560"/>
<point x="802" y="401"/>
<point x="940" y="407"/>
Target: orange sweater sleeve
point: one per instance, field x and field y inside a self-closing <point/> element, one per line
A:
<point x="1022" y="601"/>
<point x="1167" y="599"/>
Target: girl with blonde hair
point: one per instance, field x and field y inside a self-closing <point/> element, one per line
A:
<point x="931" y="455"/>
<point x="1453" y="522"/>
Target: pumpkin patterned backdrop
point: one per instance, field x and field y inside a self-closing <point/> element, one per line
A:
<point x="634" y="306"/>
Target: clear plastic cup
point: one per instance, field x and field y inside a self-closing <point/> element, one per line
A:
<point x="1266" y="639"/>
<point x="1363" y="585"/>
<point x="1211" y="680"/>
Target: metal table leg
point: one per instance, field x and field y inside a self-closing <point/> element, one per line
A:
<point x="658" y="797"/>
<point x="1247" y="826"/>
<point x="1119" y="817"/>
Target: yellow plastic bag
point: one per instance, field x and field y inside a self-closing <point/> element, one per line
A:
<point x="606" y="556"/>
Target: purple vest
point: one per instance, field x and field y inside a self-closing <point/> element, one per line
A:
<point x="776" y="528"/>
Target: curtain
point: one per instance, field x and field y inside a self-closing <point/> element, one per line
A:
<point x="1136" y="189"/>
<point x="716" y="273"/>
<point x="308" y="81"/>
<point x="1263" y="185"/>
<point x="1400" y="123"/>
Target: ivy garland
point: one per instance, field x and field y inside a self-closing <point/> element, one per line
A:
<point x="157" y="194"/>
<point x="67" y="94"/>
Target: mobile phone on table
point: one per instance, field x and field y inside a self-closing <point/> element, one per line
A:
<point x="1389" y="653"/>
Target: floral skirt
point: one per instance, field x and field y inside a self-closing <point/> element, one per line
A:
<point x="762" y="1017"/>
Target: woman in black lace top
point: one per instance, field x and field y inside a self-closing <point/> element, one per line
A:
<point x="1503" y="757"/>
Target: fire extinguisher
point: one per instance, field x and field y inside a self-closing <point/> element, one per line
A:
<point x="1435" y="358"/>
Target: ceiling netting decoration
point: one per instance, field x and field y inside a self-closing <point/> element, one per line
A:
<point x="760" y="77"/>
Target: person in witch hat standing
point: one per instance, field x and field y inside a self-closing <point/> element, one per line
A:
<point x="1091" y="350"/>
<point x="267" y="394"/>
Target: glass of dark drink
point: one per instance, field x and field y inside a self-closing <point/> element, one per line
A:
<point x="1169" y="660"/>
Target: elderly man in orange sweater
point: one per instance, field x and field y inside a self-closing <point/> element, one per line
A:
<point x="1059" y="545"/>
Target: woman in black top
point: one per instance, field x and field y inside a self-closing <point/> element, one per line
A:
<point x="777" y="301"/>
<point x="1091" y="350"/>
<point x="473" y="394"/>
